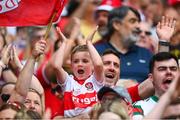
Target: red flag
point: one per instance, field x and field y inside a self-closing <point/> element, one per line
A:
<point x="29" y="12"/>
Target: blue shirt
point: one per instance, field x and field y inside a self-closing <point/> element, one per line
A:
<point x="134" y="63"/>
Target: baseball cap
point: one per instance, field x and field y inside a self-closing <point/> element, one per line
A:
<point x="108" y="5"/>
<point x="173" y="2"/>
<point x="122" y="92"/>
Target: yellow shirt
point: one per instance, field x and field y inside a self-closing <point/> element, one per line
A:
<point x="86" y="29"/>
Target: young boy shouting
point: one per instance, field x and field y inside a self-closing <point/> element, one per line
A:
<point x="80" y="89"/>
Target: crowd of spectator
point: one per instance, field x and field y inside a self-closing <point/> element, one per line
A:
<point x="104" y="59"/>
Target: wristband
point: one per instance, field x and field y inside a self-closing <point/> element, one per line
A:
<point x="164" y="43"/>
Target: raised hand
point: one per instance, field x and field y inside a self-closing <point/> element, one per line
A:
<point x="76" y="28"/>
<point x="6" y="54"/>
<point x="165" y="28"/>
<point x="47" y="114"/>
<point x="64" y="39"/>
<point x="90" y="37"/>
<point x="174" y="89"/>
<point x="14" y="59"/>
<point x="38" y="48"/>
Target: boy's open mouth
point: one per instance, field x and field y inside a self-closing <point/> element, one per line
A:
<point x="80" y="71"/>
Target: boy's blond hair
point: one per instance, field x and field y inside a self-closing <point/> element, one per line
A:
<point x="79" y="48"/>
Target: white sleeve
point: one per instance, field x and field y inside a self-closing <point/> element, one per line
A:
<point x="63" y="86"/>
<point x="97" y="84"/>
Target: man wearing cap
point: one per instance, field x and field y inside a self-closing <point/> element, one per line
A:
<point x="102" y="12"/>
<point x="113" y="92"/>
<point x="107" y="94"/>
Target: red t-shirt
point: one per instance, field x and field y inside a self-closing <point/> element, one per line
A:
<point x="51" y="100"/>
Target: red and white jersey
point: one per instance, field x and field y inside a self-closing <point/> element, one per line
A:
<point x="79" y="98"/>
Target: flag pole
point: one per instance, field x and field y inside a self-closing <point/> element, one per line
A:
<point x="51" y="21"/>
<point x="49" y="26"/>
<point x="47" y="32"/>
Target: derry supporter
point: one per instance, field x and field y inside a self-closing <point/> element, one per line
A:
<point x="80" y="90"/>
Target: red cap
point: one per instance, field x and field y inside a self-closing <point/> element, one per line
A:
<point x="108" y="5"/>
<point x="173" y="2"/>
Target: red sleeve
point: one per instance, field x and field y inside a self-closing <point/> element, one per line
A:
<point x="133" y="91"/>
<point x="41" y="77"/>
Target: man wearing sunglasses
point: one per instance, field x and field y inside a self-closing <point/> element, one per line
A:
<point x="145" y="37"/>
<point x="5" y="92"/>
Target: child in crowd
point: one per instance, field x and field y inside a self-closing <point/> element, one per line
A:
<point x="80" y="89"/>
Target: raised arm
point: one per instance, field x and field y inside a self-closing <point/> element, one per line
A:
<point x="35" y="84"/>
<point x="96" y="58"/>
<point x="5" y="58"/>
<point x="78" y="13"/>
<point x="141" y="91"/>
<point x="72" y="41"/>
<point x="146" y="89"/>
<point x="165" y="30"/>
<point x="10" y="75"/>
<point x="25" y="76"/>
<point x="58" y="59"/>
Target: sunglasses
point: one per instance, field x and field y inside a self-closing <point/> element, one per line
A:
<point x="148" y="33"/>
<point x="16" y="105"/>
<point x="5" y="97"/>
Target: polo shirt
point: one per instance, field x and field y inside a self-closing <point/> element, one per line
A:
<point x="134" y="63"/>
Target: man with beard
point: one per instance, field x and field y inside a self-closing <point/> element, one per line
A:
<point x="164" y="68"/>
<point x="121" y="37"/>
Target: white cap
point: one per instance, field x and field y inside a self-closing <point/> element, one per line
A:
<point x="104" y="7"/>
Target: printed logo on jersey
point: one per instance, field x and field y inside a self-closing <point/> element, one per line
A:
<point x="89" y="86"/>
<point x="85" y="100"/>
<point x="8" y="5"/>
